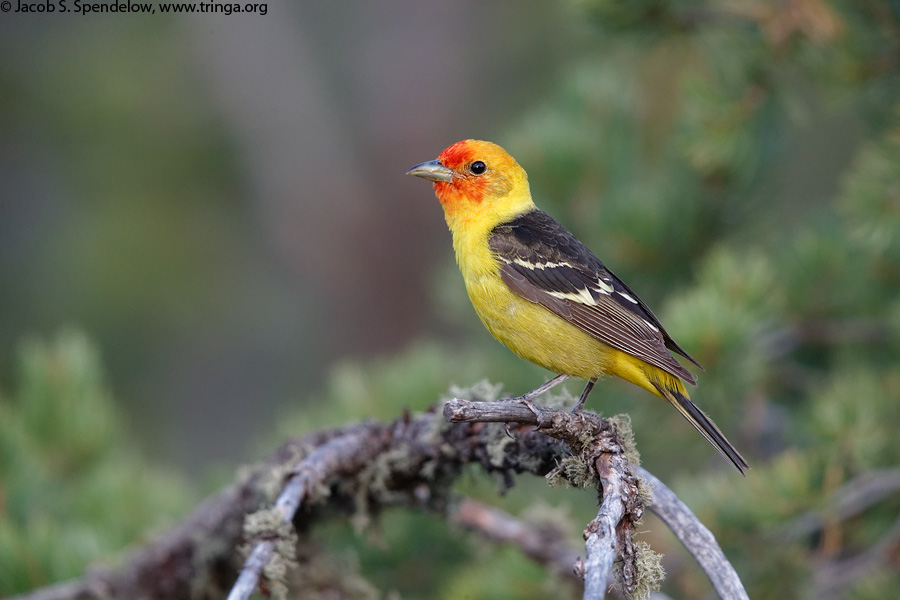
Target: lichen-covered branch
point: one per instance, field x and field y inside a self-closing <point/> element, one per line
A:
<point x="602" y="453"/>
<point x="601" y="541"/>
<point x="347" y="453"/>
<point x="359" y="470"/>
<point x="199" y="557"/>
<point x="410" y="462"/>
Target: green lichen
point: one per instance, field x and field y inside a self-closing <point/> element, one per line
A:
<point x="622" y="424"/>
<point x="574" y="471"/>
<point x="649" y="571"/>
<point x="645" y="491"/>
<point x="498" y="444"/>
<point x="269" y="524"/>
<point x="271" y="481"/>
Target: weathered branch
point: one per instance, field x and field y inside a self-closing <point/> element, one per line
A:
<point x="345" y="454"/>
<point x="698" y="540"/>
<point x="171" y="565"/>
<point x="545" y="545"/>
<point x="601" y="448"/>
<point x="361" y="469"/>
<point x="601" y="542"/>
<point x="409" y="462"/>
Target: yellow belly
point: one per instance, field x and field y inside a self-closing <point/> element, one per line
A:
<point x="540" y="336"/>
<point x="536" y="334"/>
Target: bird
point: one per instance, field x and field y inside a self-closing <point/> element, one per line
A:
<point x="545" y="295"/>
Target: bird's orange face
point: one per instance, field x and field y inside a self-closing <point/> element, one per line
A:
<point x="470" y="174"/>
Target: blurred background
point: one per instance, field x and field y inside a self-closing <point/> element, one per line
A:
<point x="221" y="202"/>
<point x="207" y="243"/>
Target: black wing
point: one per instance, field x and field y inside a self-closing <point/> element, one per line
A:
<point x="543" y="263"/>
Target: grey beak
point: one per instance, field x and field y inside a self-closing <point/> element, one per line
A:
<point x="432" y="170"/>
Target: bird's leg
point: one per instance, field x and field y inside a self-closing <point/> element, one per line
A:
<point x="527" y="398"/>
<point x="543" y="388"/>
<point x="584" y="394"/>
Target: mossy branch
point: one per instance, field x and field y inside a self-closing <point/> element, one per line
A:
<point x="597" y="445"/>
<point x="363" y="468"/>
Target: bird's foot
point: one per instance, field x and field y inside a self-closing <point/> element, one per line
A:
<point x="527" y="398"/>
<point x="524" y="400"/>
<point x="527" y="403"/>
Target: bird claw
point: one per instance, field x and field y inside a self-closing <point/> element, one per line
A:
<point x="530" y="406"/>
<point x="525" y="401"/>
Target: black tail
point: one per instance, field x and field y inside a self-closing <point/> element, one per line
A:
<point x="705" y="426"/>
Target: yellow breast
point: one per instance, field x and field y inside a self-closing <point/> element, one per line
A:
<point x="528" y="329"/>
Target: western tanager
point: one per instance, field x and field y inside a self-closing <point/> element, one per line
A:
<point x="541" y="292"/>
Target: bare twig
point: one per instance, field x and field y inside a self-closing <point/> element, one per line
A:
<point x="565" y="426"/>
<point x="698" y="540"/>
<point x="248" y="580"/>
<point x="466" y="411"/>
<point x="544" y="545"/>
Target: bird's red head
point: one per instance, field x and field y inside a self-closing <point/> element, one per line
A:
<point x="470" y="173"/>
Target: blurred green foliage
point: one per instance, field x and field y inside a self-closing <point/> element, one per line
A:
<point x="686" y="148"/>
<point x="74" y="487"/>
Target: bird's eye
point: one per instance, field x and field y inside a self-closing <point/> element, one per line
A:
<point x="477" y="168"/>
